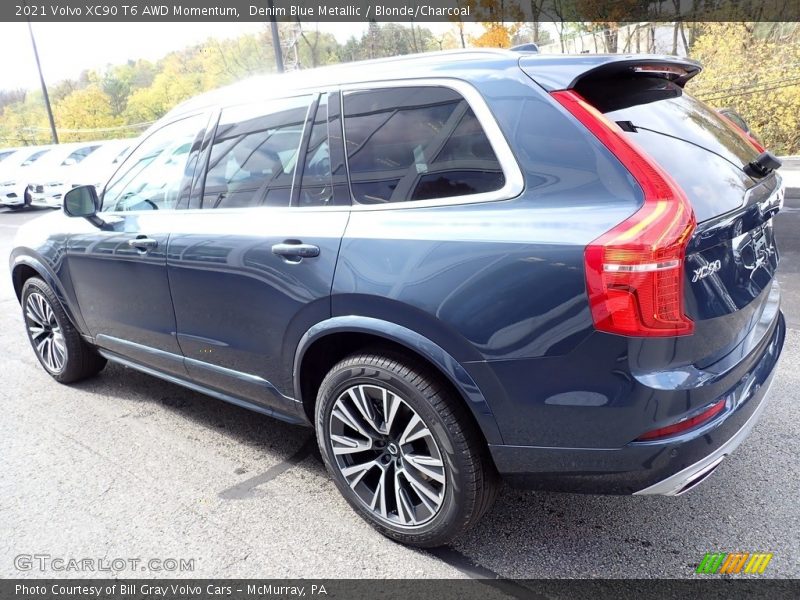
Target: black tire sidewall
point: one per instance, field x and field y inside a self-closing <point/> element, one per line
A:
<point x="451" y="515"/>
<point x="35" y="285"/>
<point x="82" y="360"/>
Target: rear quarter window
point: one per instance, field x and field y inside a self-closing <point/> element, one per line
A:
<point x="416" y="143"/>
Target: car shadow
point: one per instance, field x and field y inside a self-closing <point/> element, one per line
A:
<point x="242" y="426"/>
<point x="526" y="534"/>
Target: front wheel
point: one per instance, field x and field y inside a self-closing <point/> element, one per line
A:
<point x="402" y="450"/>
<point x="57" y="344"/>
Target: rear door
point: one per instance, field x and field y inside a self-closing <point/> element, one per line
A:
<point x="252" y="266"/>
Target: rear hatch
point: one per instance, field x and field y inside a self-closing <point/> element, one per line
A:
<point x="729" y="287"/>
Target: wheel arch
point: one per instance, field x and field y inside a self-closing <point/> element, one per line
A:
<point x="24" y="267"/>
<point x="329" y="341"/>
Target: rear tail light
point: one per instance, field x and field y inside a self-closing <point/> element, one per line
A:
<point x="634" y="273"/>
<point x="685" y="424"/>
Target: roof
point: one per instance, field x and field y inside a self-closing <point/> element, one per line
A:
<point x="552" y="71"/>
<point x="402" y="67"/>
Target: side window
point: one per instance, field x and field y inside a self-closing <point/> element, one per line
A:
<point x="254" y="155"/>
<point x="78" y="155"/>
<point x="416" y="143"/>
<point x="152" y="175"/>
<point x="315" y="185"/>
<point x="33" y="158"/>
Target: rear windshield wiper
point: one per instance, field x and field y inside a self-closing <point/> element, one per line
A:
<point x="762" y="166"/>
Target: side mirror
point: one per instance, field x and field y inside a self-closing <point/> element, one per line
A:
<point x="82" y="201"/>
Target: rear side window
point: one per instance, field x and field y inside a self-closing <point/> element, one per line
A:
<point x="416" y="143"/>
<point x="254" y="155"/>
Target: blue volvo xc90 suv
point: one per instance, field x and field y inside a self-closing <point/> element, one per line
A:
<point x="558" y="270"/>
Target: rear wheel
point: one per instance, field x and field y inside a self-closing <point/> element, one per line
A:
<point x="56" y="343"/>
<point x="402" y="450"/>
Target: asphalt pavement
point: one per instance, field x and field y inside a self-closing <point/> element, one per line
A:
<point x="125" y="466"/>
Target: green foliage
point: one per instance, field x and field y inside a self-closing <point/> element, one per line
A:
<point x="754" y="70"/>
<point x="121" y="100"/>
<point x="88" y="108"/>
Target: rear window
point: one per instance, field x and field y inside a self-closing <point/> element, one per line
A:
<point x="661" y="106"/>
<point x="416" y="143"/>
<point x="695" y="145"/>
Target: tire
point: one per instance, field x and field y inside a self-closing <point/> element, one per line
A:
<point x="439" y="463"/>
<point x="57" y="344"/>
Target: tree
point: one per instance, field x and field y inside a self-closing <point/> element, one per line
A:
<point x="25" y="122"/>
<point x="8" y="97"/>
<point x="317" y="48"/>
<point x="501" y="19"/>
<point x="754" y="69"/>
<point x="531" y="32"/>
<point x="89" y="108"/>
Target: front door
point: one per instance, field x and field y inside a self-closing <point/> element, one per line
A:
<point x="120" y="273"/>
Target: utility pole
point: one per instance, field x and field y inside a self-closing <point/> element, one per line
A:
<point x="276" y="40"/>
<point x="44" y="87"/>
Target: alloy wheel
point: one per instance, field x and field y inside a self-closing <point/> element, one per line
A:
<point x="387" y="455"/>
<point x="45" y="332"/>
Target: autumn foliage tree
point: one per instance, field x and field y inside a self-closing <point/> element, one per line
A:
<point x="501" y="20"/>
<point x="89" y="108"/>
<point x="755" y="70"/>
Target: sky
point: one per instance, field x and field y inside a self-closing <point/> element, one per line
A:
<point x="66" y="49"/>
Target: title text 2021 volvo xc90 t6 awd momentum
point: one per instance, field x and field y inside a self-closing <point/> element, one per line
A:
<point x="456" y="267"/>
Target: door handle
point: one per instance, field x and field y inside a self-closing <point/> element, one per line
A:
<point x="295" y="251"/>
<point x="143" y="243"/>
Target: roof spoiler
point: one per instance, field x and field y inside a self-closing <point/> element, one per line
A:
<point x="564" y="72"/>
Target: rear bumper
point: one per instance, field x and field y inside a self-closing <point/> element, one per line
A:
<point x="666" y="467"/>
<point x="684" y="480"/>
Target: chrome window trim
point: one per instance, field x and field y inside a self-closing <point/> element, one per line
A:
<point x="514" y="180"/>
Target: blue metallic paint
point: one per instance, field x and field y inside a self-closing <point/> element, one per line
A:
<point x="492" y="294"/>
<point x="412" y="340"/>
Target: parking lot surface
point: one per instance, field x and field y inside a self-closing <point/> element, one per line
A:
<point x="127" y="466"/>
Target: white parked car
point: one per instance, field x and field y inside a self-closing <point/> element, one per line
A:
<point x="99" y="165"/>
<point x="46" y="183"/>
<point x="13" y="175"/>
<point x="7" y="153"/>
